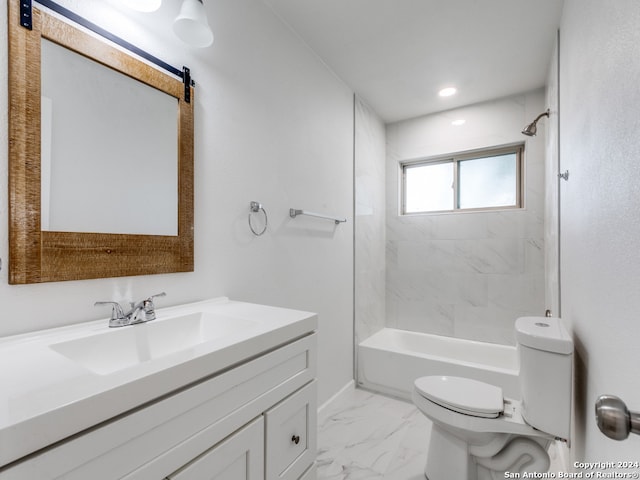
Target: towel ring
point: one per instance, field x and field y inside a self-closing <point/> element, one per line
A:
<point x="255" y="207"/>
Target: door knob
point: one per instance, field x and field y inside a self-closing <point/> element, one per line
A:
<point x="614" y="418"/>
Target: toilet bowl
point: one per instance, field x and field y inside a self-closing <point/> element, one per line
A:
<point x="478" y="434"/>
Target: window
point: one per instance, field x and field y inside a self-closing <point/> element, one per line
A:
<point x="474" y="180"/>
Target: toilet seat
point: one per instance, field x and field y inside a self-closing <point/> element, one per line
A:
<point x="462" y="395"/>
<point x="510" y="421"/>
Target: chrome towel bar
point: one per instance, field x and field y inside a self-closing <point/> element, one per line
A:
<point x="293" y="213"/>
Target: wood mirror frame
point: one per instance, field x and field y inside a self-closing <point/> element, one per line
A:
<point x="37" y="256"/>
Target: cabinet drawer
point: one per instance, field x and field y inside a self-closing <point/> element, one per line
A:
<point x="239" y="457"/>
<point x="291" y="435"/>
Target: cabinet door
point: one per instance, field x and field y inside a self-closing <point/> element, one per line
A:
<point x="311" y="474"/>
<point x="291" y="435"/>
<point x="239" y="457"/>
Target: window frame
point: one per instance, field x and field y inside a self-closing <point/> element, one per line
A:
<point x="455" y="159"/>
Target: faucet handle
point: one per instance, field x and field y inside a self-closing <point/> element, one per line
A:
<point x="117" y="314"/>
<point x="149" y="307"/>
<point x="161" y="294"/>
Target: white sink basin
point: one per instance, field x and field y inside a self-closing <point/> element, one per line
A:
<point x="125" y="347"/>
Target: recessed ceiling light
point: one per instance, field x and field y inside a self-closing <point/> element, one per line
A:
<point x="447" y="92"/>
<point x="460" y="121"/>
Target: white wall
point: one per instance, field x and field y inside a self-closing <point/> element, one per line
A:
<point x="272" y="125"/>
<point x="467" y="274"/>
<point x="600" y="234"/>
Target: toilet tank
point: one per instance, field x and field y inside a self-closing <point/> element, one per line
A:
<point x="545" y="351"/>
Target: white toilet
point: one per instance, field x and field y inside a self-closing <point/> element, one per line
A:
<point x="478" y="434"/>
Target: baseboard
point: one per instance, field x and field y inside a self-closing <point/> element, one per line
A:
<point x="348" y="388"/>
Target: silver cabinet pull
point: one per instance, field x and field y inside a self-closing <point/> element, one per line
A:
<point x="614" y="418"/>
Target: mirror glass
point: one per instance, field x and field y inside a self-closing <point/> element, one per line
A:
<point x="109" y="149"/>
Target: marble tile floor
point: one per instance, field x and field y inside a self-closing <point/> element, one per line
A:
<point x="367" y="436"/>
<point x="363" y="435"/>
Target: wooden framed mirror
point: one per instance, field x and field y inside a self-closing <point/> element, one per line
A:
<point x="48" y="254"/>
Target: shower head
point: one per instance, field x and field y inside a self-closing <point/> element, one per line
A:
<point x="531" y="129"/>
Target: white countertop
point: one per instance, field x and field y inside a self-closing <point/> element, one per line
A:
<point x="46" y="397"/>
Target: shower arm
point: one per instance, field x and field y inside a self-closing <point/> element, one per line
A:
<point x="543" y="114"/>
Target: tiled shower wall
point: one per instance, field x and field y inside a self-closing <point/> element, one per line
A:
<point x="369" y="253"/>
<point x="467" y="275"/>
<point x="552" y="193"/>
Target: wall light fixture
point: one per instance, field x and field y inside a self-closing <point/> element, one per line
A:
<point x="143" y="5"/>
<point x="191" y="25"/>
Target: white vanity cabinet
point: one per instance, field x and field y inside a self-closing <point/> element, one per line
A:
<point x="253" y="420"/>
<point x="281" y="444"/>
<point x="240" y="457"/>
<point x="290" y="435"/>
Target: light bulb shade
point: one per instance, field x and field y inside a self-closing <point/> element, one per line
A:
<point x="191" y="24"/>
<point x="143" y="5"/>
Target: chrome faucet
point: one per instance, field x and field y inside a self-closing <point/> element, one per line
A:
<point x="143" y="311"/>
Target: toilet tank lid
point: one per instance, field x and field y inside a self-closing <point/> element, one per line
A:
<point x="544" y="333"/>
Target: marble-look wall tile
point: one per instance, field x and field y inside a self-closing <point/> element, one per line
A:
<point x="426" y="316"/>
<point x="449" y="227"/>
<point x="429" y="255"/>
<point x="534" y="255"/>
<point x="509" y="224"/>
<point x="470" y="274"/>
<point x="552" y="193"/>
<point x="495" y="255"/>
<point x="485" y="324"/>
<point x="370" y="248"/>
<point x="467" y="289"/>
<point x="518" y="292"/>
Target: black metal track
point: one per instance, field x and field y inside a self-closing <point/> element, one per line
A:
<point x="74" y="17"/>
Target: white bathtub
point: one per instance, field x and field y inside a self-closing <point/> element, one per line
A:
<point x="390" y="360"/>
